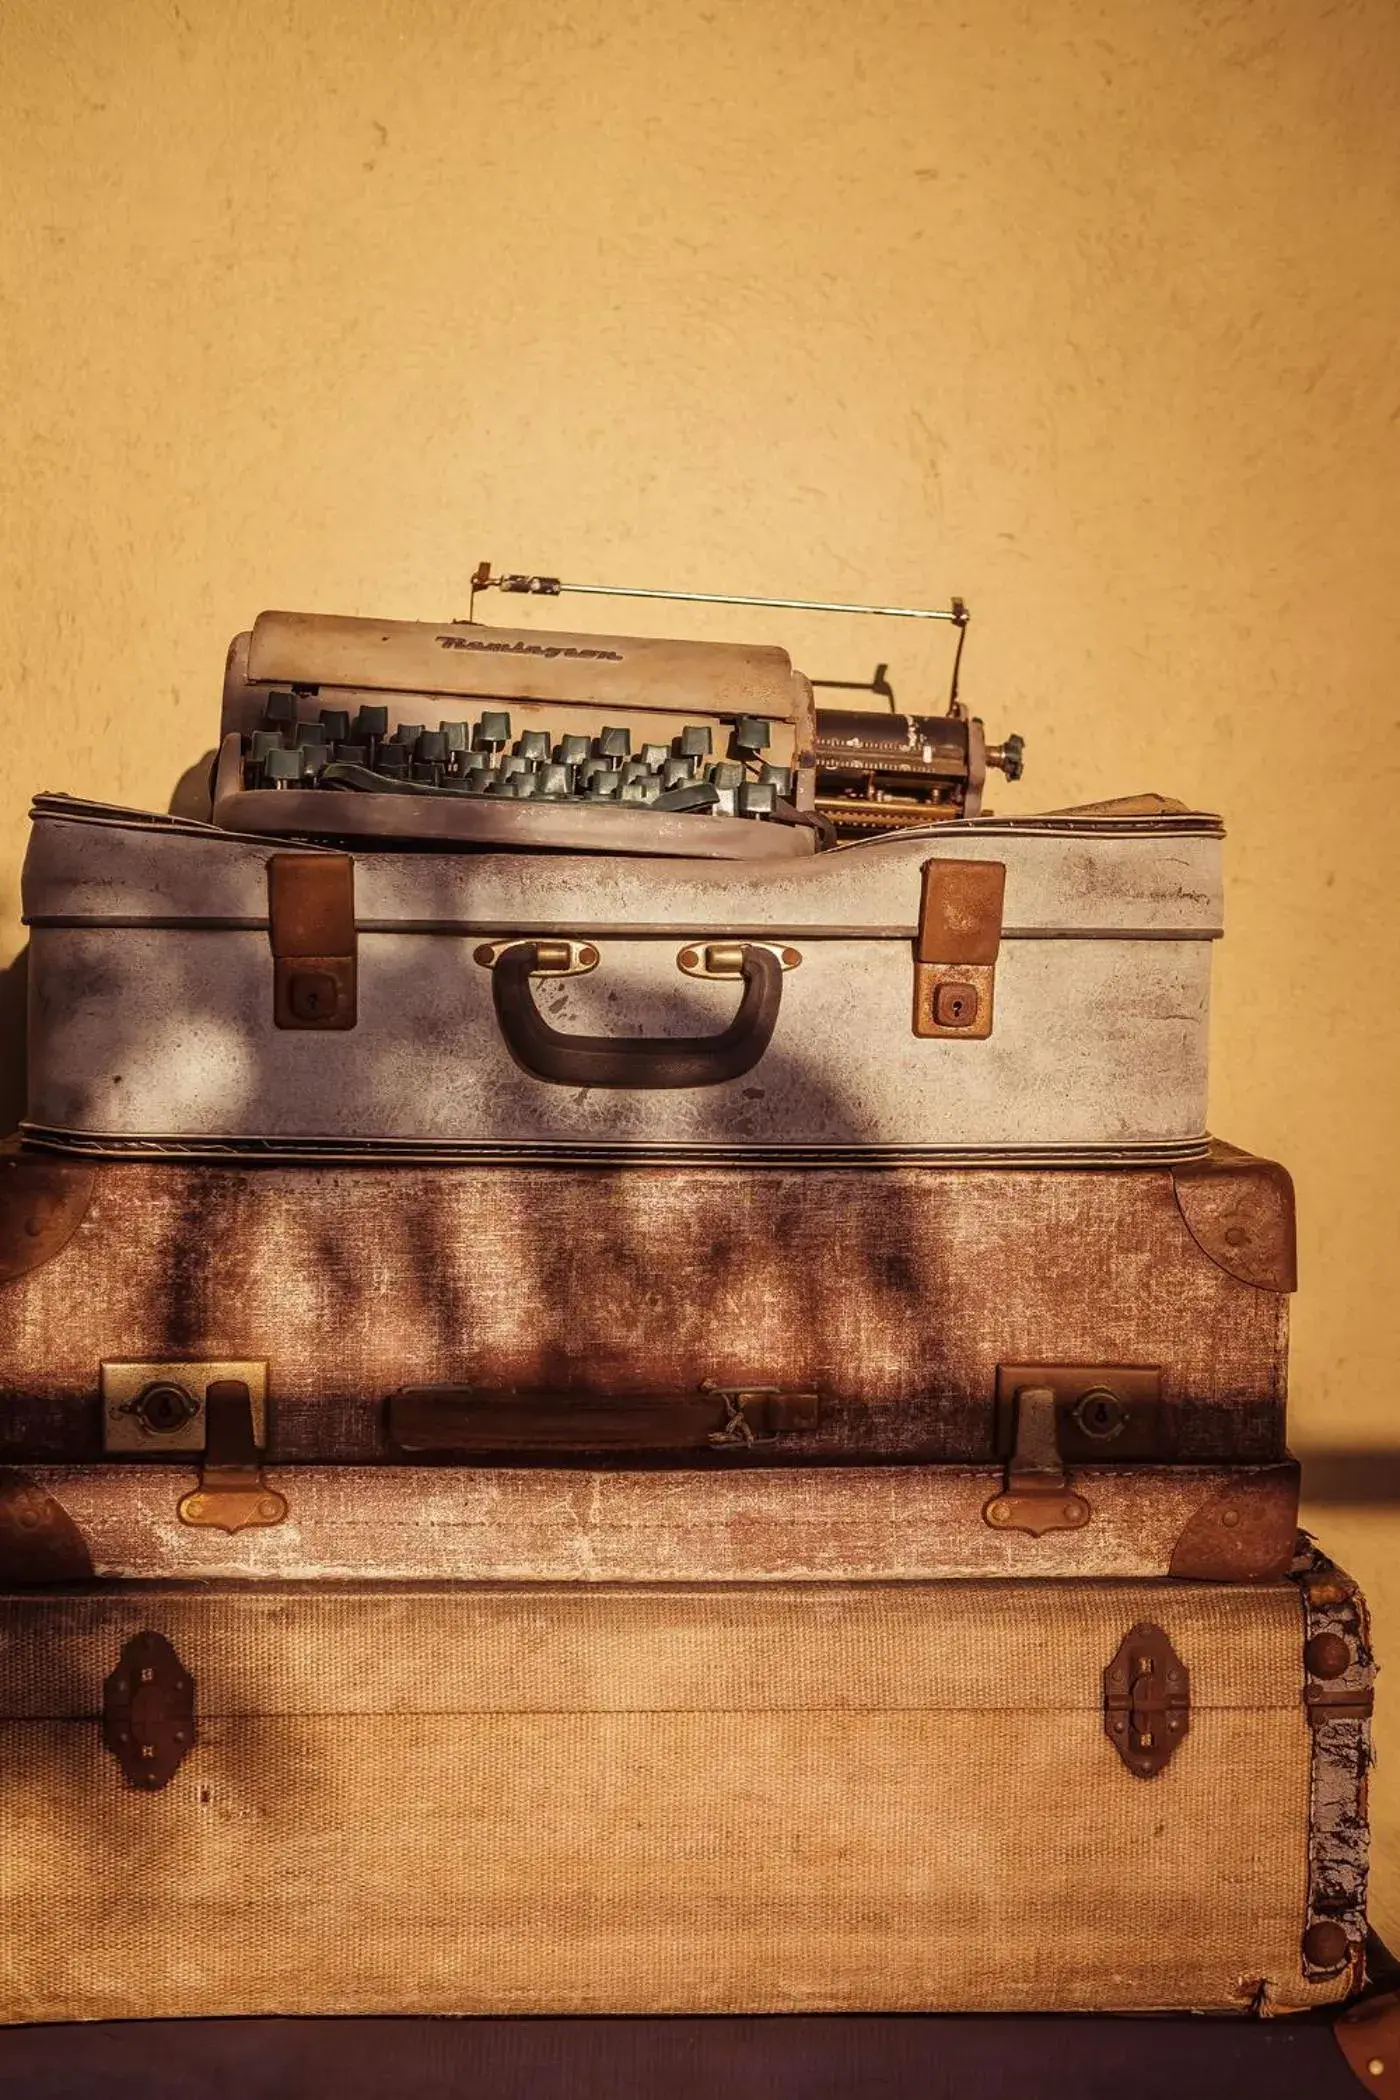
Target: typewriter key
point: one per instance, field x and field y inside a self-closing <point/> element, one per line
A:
<point x="533" y="744"/>
<point x="480" y="778"/>
<point x="552" y="782"/>
<point x="757" y="799"/>
<point x="749" y="736"/>
<point x="571" y="750"/>
<point x="283" y="768"/>
<point x="407" y="734"/>
<point x="370" y="722"/>
<point x="612" y="743"/>
<point x="726" y="778"/>
<point x="336" y="723"/>
<point x="635" y="769"/>
<point x="690" y="795"/>
<point x="603" y="785"/>
<point x="263" y="741"/>
<point x="677" y="772"/>
<point x="352" y="754"/>
<point x="310" y="733"/>
<point x="393" y="761"/>
<point x="522" y="786"/>
<point x="457" y="735"/>
<point x="638" y="791"/>
<point x="512" y="763"/>
<point x="779" y="778"/>
<point x="654" y="756"/>
<point x="492" y="731"/>
<point x="694" y="742"/>
<point x="432" y="748"/>
<point x="313" y="758"/>
<point x="279" y="711"/>
<point x="470" y="762"/>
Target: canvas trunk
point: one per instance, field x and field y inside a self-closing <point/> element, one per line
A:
<point x="680" y="1798"/>
<point x="1035" y="987"/>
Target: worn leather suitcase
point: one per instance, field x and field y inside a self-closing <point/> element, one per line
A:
<point x="1086" y="1366"/>
<point x="1030" y="987"/>
<point x="678" y="1798"/>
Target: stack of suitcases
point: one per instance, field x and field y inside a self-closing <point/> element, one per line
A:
<point x="624" y="1411"/>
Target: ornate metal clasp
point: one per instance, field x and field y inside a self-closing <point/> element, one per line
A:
<point x="1146" y="1700"/>
<point x="148" y="1712"/>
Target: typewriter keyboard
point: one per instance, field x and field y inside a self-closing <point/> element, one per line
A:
<point x="360" y="753"/>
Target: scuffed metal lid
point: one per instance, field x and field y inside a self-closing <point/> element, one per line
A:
<point x="507" y="663"/>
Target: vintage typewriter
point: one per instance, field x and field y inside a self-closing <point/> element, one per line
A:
<point x="460" y="733"/>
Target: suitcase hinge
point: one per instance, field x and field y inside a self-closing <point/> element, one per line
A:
<point x="956" y="946"/>
<point x="311" y="925"/>
<point x="148" y="1712"/>
<point x="232" y="1494"/>
<point x="1146" y="1700"/>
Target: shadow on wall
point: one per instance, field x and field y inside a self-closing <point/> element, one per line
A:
<point x="1360" y="1479"/>
<point x="14" y="993"/>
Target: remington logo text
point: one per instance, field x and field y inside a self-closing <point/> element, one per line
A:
<point x="470" y="641"/>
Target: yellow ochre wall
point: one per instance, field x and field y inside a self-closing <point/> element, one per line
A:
<point x="1086" y="309"/>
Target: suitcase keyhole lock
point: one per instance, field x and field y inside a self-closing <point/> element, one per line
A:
<point x="1100" y="1414"/>
<point x="955" y="1005"/>
<point x="163" y="1408"/>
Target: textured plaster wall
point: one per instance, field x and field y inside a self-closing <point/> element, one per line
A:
<point x="1087" y="309"/>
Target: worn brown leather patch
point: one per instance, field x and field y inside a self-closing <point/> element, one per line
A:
<point x="42" y="1204"/>
<point x="39" y="1542"/>
<point x="1369" y="2038"/>
<point x="1239" y="1210"/>
<point x="960" y="911"/>
<point x="1244" y="1534"/>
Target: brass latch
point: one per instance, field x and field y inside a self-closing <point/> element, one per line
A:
<point x="1037" y="1496"/>
<point x="1146" y="1700"/>
<point x="148" y="1712"/>
<point x="232" y="1494"/>
<point x="150" y="1409"/>
<point x="956" y="947"/>
<point x="1050" y="1414"/>
<point x="311" y="925"/>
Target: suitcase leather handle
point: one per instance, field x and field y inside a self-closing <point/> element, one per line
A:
<point x="641" y="1061"/>
<point x="458" y="1421"/>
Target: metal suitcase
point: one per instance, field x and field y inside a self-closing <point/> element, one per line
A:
<point x="1079" y="1370"/>
<point x="671" y="1798"/>
<point x="1008" y="989"/>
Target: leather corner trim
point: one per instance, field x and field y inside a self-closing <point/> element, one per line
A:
<point x="1239" y="1211"/>
<point x="43" y="1201"/>
<point x="1369" y="2039"/>
<point x="1245" y="1533"/>
<point x="39" y="1542"/>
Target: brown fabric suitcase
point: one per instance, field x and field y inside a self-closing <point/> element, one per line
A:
<point x="1102" y="1352"/>
<point x="471" y="1798"/>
